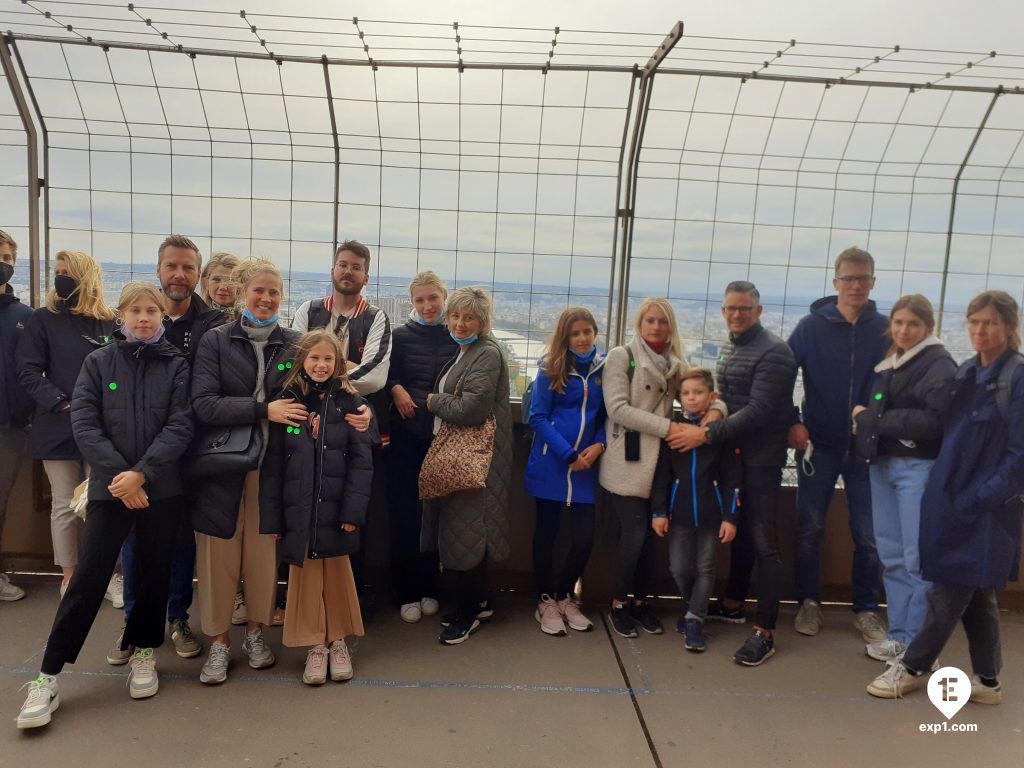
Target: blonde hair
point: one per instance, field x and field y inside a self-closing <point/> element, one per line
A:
<point x="675" y="346"/>
<point x="556" y="361"/>
<point x="89" y="276"/>
<point x="6" y="239"/>
<point x="218" y="259"/>
<point x="428" y="278"/>
<point x="302" y="350"/>
<point x="704" y="375"/>
<point x="1006" y="307"/>
<point x="474" y="300"/>
<point x="136" y="291"/>
<point x="246" y="270"/>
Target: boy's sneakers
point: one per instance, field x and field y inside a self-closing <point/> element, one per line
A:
<point x="870" y="625"/>
<point x="341" y="661"/>
<point x="809" y="618"/>
<point x="758" y="648"/>
<point x="894" y="682"/>
<point x="42" y="701"/>
<point x="239" y="615"/>
<point x="485" y="611"/>
<point x="646" y="618"/>
<point x="215" y="670"/>
<point x="260" y="655"/>
<point x="459" y="630"/>
<point x="885" y="650"/>
<point x="573" y="616"/>
<point x="622" y="620"/>
<point x="986" y="694"/>
<point x="411" y="612"/>
<point x="115" y="655"/>
<point x="186" y="644"/>
<point x="693" y="630"/>
<point x="142" y="680"/>
<point x="717" y="611"/>
<point x="9" y="592"/>
<point x="316" y="665"/>
<point x="429" y="606"/>
<point x="115" y="591"/>
<point x="549" y="616"/>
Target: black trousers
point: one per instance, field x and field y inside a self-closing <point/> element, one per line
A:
<point x="948" y="606"/>
<point x="757" y="542"/>
<point x="634" y="554"/>
<point x="358" y="558"/>
<point x="107" y="525"/>
<point x="581" y="543"/>
<point x="471" y="588"/>
<point x="414" y="573"/>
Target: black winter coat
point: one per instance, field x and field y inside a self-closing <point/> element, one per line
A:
<point x="316" y="477"/>
<point x="130" y="411"/>
<point x="50" y="354"/>
<point x="15" y="404"/>
<point x="756" y="373"/>
<point x="223" y="380"/>
<point x="907" y="406"/>
<point x="418" y="354"/>
<point x="201" y="318"/>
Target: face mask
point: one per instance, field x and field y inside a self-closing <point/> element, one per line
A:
<point x="64" y="285"/>
<point x="6" y="272"/>
<point x="463" y="342"/>
<point x="421" y="321"/>
<point x="251" y="319"/>
<point x="587" y="358"/>
<point x="319" y="386"/>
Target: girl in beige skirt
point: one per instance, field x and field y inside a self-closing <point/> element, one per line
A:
<point x="314" y="490"/>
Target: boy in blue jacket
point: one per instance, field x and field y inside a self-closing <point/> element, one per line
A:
<point x="695" y="500"/>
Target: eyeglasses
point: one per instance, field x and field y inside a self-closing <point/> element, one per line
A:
<point x="859" y="279"/>
<point x="738" y="310"/>
<point x="344" y="266"/>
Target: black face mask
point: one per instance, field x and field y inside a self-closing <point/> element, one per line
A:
<point x="318" y="386"/>
<point x="65" y="285"/>
<point x="6" y="272"/>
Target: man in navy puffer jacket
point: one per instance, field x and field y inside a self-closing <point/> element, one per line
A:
<point x="837" y="346"/>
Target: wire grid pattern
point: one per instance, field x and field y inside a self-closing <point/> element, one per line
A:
<point x="14" y="183"/>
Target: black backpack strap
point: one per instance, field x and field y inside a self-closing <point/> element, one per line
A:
<point x="1005" y="383"/>
<point x="319" y="316"/>
<point x="631" y="370"/>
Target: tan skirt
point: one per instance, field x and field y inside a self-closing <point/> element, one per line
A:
<point x="322" y="603"/>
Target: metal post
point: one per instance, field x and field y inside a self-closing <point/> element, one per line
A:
<point x="610" y="331"/>
<point x="33" y="168"/>
<point x="952" y="209"/>
<point x="337" y="154"/>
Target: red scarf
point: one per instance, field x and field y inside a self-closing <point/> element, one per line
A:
<point x="658" y="346"/>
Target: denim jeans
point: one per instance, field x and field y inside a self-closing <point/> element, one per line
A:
<point x="691" y="561"/>
<point x="814" y="494"/>
<point x="948" y="605"/>
<point x="897" y="485"/>
<point x="183" y="566"/>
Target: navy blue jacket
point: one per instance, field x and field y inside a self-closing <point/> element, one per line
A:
<point x="564" y="425"/>
<point x="50" y="354"/>
<point x="971" y="510"/>
<point x="15" y="404"/>
<point x="418" y="353"/>
<point x="838" y="361"/>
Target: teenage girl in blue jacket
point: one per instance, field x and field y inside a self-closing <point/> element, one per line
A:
<point x="567" y="415"/>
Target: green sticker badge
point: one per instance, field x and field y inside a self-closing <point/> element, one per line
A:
<point x="112" y="386"/>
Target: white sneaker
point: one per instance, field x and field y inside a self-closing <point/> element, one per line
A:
<point x="341" y="661"/>
<point x="115" y="591"/>
<point x="429" y="606"/>
<point x="9" y="592"/>
<point x="894" y="682"/>
<point x="42" y="701"/>
<point x="316" y="666"/>
<point x="142" y="680"/>
<point x="260" y="655"/>
<point x="215" y="670"/>
<point x="411" y="613"/>
<point x="885" y="650"/>
<point x="870" y="625"/>
<point x="983" y="694"/>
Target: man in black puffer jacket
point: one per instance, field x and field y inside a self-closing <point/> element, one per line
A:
<point x="756" y="373"/>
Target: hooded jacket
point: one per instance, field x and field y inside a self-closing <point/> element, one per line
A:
<point x="15" y="404"/>
<point x="418" y="354"/>
<point x="202" y="318"/>
<point x="838" y="359"/>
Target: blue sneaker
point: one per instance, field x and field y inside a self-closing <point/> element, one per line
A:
<point x="695" y="641"/>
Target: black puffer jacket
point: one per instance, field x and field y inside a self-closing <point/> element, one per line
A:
<point x="201" y="318"/>
<point x="50" y="354"/>
<point x="131" y="411"/>
<point x="756" y="373"/>
<point x="15" y="404"/>
<point x="418" y="353"/>
<point x="908" y="404"/>
<point x="316" y="477"/>
<point x="223" y="380"/>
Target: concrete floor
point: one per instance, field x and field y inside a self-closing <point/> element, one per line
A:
<point x="510" y="696"/>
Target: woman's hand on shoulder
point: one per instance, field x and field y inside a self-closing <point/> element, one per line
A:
<point x="287" y="411"/>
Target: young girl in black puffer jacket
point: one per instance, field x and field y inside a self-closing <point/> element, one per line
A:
<point x="314" y="490"/>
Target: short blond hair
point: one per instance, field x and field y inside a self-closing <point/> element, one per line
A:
<point x="6" y="239"/>
<point x="136" y="291"/>
<point x="428" y="278"/>
<point x="246" y="270"/>
<point x="476" y="301"/>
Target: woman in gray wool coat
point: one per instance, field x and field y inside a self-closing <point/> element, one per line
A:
<point x="471" y="527"/>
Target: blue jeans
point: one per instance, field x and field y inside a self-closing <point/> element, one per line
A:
<point x="813" y="497"/>
<point x="183" y="566"/>
<point x="897" y="485"/>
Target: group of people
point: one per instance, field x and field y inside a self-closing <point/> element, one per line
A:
<point x="219" y="443"/>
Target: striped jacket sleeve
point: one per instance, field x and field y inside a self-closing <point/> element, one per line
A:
<point x="372" y="373"/>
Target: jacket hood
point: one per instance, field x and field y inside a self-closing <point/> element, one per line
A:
<point x="7" y="296"/>
<point x="162" y="348"/>
<point x="828" y="308"/>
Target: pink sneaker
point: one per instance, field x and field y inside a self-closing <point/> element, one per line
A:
<point x="550" y="616"/>
<point x="341" y="661"/>
<point x="574" y="616"/>
<point x="316" y="666"/>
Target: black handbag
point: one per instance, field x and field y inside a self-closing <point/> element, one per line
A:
<point x="228" y="449"/>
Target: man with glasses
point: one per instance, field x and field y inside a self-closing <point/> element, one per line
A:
<point x="755" y="373"/>
<point x="837" y="346"/>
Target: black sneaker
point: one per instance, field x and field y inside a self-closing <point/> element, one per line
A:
<point x="622" y="622"/>
<point x="457" y="632"/>
<point x="717" y="611"/>
<point x="646" y="618"/>
<point x="695" y="641"/>
<point x="483" y="613"/>
<point x="756" y="651"/>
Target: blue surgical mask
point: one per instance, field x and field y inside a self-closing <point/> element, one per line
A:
<point x="251" y="319"/>
<point x="421" y="321"/>
<point x="463" y="342"/>
<point x="587" y="358"/>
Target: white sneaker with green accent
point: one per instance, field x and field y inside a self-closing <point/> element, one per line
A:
<point x="42" y="701"/>
<point x="142" y="680"/>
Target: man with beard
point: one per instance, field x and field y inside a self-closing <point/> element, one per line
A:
<point x="177" y="268"/>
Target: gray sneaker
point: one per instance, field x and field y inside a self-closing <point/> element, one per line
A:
<point x="142" y="680"/>
<point x="809" y="618"/>
<point x="870" y="625"/>
<point x="260" y="655"/>
<point x="186" y="644"/>
<point x="9" y="592"/>
<point x="885" y="650"/>
<point x="115" y="655"/>
<point x="42" y="701"/>
<point x="215" y="670"/>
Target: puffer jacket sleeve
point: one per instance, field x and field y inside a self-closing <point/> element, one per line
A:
<point x="1007" y="480"/>
<point x="933" y="389"/>
<point x="730" y="481"/>
<point x="616" y="398"/>
<point x="541" y="410"/>
<point x="661" y="489"/>
<point x="210" y="406"/>
<point x="475" y="401"/>
<point x="272" y="483"/>
<point x="32" y="360"/>
<point x="87" y="421"/>
<point x="771" y="389"/>
<point x="358" y="478"/>
<point x="173" y="440"/>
